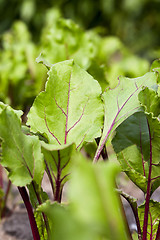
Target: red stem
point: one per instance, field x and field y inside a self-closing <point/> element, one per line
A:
<point x="57" y="196"/>
<point x="145" y="224"/>
<point x="27" y="203"/>
<point x="158" y="232"/>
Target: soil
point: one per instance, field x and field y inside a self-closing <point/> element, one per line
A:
<point x="16" y="226"/>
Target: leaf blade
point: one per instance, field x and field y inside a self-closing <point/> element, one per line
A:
<point x="21" y="154"/>
<point x="122" y="102"/>
<point x="65" y="110"/>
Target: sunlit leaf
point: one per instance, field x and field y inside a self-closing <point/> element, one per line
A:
<point x="122" y="102"/>
<point x="65" y="111"/>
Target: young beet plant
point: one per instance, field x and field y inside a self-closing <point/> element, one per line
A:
<point x="70" y="112"/>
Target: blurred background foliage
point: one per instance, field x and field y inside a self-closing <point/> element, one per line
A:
<point x="135" y="22"/>
<point x="107" y="38"/>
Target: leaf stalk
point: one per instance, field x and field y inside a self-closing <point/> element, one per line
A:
<point x="28" y="206"/>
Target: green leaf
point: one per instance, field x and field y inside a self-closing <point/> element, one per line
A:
<point x="90" y="149"/>
<point x="131" y="200"/>
<point x="69" y="41"/>
<point x="40" y="59"/>
<point x="64" y="111"/>
<point x="122" y="102"/>
<point x="94" y="199"/>
<point x="64" y="225"/>
<point x="58" y="163"/>
<point x="34" y="191"/>
<point x="94" y="211"/>
<point x="150" y="100"/>
<point x="41" y="226"/>
<point x="19" y="113"/>
<point x="156" y="66"/>
<point x="21" y="154"/>
<point x="132" y="146"/>
<point x="99" y="73"/>
<point x="153" y="220"/>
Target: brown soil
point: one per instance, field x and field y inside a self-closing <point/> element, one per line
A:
<point x="16" y="226"/>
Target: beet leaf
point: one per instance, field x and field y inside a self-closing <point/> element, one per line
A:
<point x="122" y="102"/>
<point x="70" y="109"/>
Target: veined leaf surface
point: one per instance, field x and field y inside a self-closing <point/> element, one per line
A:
<point x="137" y="145"/>
<point x="58" y="164"/>
<point x="70" y="109"/>
<point x="21" y="154"/>
<point x="153" y="220"/>
<point x="122" y="102"/>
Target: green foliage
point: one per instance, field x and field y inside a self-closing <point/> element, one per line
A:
<point x="19" y="74"/>
<point x="103" y="57"/>
<point x="137" y="146"/>
<point x="85" y="218"/>
<point x="132" y="145"/>
<point x="151" y="101"/>
<point x="70" y="96"/>
<point x="122" y="102"/>
<point x="132" y="148"/>
<point x="154" y="217"/>
<point x="58" y="165"/>
<point x="21" y="154"/>
<point x="21" y="78"/>
<point x="136" y="23"/>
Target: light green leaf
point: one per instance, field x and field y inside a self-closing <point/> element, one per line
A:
<point x="150" y="100"/>
<point x="19" y="113"/>
<point x="64" y="111"/>
<point x="21" y="154"/>
<point x="94" y="199"/>
<point x="122" y="102"/>
<point x="153" y="220"/>
<point x="69" y="41"/>
<point x="40" y="59"/>
<point x="64" y="225"/>
<point x="156" y="66"/>
<point x="94" y="211"/>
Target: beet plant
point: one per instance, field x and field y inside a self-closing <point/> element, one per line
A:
<point x="70" y="112"/>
